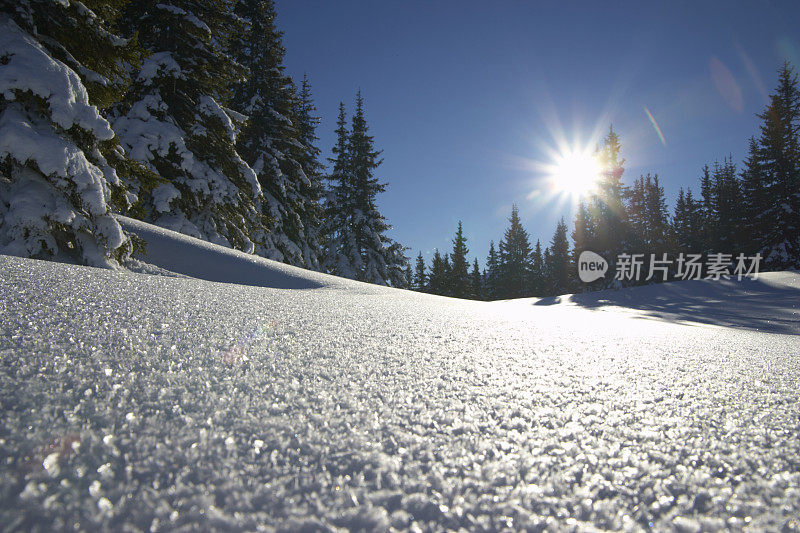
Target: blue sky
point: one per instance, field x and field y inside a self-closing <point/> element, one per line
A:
<point x="467" y="99"/>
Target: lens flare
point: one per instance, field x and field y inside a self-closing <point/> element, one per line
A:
<point x="726" y="84"/>
<point x="655" y="126"/>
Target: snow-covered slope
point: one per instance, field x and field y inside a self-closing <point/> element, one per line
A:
<point x="200" y="259"/>
<point x="154" y="402"/>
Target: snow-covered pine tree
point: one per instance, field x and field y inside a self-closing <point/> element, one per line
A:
<point x="780" y="162"/>
<point x="341" y="255"/>
<point x="173" y="122"/>
<point x="313" y="190"/>
<point x="515" y="260"/>
<point x="459" y="283"/>
<point x="409" y="276"/>
<point x="359" y="247"/>
<point x="60" y="163"/>
<point x="277" y="138"/>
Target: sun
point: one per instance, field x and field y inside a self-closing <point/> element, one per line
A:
<point x="575" y="172"/>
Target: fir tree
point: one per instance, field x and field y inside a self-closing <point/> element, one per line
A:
<point x="681" y="229"/>
<point x="476" y="280"/>
<point x="779" y="151"/>
<point x="728" y="223"/>
<point x="708" y="229"/>
<point x="437" y="279"/>
<point x="312" y="189"/>
<point x="359" y="243"/>
<point x="492" y="275"/>
<point x="277" y="139"/>
<point x="60" y="163"/>
<point x="608" y="208"/>
<point x="559" y="280"/>
<point x="636" y="210"/>
<point x="755" y="201"/>
<point x="420" y="278"/>
<point x="409" y="276"/>
<point x="656" y="223"/>
<point x="515" y="260"/>
<point x="582" y="237"/>
<point x="687" y="219"/>
<point x="459" y="284"/>
<point x="447" y="288"/>
<point x="341" y="254"/>
<point x="538" y="270"/>
<point x="173" y="123"/>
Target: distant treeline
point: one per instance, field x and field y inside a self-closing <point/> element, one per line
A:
<point x="748" y="210"/>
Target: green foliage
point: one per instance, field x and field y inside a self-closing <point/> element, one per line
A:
<point x="459" y="283"/>
<point x="420" y="277"/>
<point x="515" y="268"/>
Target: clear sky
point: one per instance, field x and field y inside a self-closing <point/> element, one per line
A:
<point x="468" y="99"/>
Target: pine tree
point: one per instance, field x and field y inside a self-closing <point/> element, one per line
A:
<point x="173" y="123"/>
<point x="608" y="210"/>
<point x="60" y="163"/>
<point x="447" y="276"/>
<point x="538" y="270"/>
<point x="656" y="216"/>
<point x="755" y="201"/>
<point x="420" y="278"/>
<point x="360" y="248"/>
<point x="546" y="276"/>
<point x="708" y="228"/>
<point x="341" y="255"/>
<point x="636" y="208"/>
<point x="277" y="139"/>
<point x="687" y="219"/>
<point x="409" y="276"/>
<point x="779" y="151"/>
<point x="459" y="283"/>
<point x="437" y="279"/>
<point x="381" y="255"/>
<point x="729" y="224"/>
<point x="492" y="276"/>
<point x="558" y="267"/>
<point x="582" y="237"/>
<point x="515" y="260"/>
<point x="681" y="230"/>
<point x="312" y="190"/>
<point x="476" y="280"/>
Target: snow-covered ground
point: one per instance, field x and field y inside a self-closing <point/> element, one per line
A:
<point x="264" y="396"/>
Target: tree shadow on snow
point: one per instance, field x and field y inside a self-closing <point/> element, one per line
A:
<point x="769" y="304"/>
